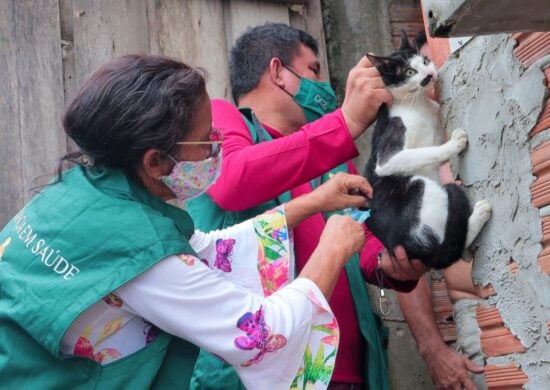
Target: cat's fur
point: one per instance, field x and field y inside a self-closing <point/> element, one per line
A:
<point x="434" y="223"/>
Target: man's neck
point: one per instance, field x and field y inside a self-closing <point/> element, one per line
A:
<point x="268" y="113"/>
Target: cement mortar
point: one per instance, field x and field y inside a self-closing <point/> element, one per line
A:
<point x="486" y="91"/>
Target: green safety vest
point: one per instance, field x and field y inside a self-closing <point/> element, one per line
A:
<point x="212" y="373"/>
<point x="74" y="243"/>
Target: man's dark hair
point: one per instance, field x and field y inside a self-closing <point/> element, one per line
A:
<point x="254" y="49"/>
<point x="131" y="104"/>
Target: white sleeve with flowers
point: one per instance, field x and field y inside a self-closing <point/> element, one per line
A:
<point x="256" y="254"/>
<point x="235" y="300"/>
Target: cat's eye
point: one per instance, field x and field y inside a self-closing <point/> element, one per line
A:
<point x="410" y="72"/>
<point x="426" y="61"/>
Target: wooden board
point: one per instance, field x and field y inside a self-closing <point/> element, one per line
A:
<point x="36" y="99"/>
<point x="241" y="14"/>
<point x="104" y="29"/>
<point x="11" y="184"/>
<point x="309" y="18"/>
<point x="49" y="46"/>
<point x="193" y="32"/>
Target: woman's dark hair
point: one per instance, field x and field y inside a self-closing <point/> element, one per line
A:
<point x="256" y="47"/>
<point x="131" y="104"/>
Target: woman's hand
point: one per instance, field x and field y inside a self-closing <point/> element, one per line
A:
<point x="341" y="238"/>
<point x="341" y="191"/>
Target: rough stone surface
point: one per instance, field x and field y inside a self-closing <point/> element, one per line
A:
<point x="486" y="91"/>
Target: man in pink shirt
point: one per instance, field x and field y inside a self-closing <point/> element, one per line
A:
<point x="286" y="137"/>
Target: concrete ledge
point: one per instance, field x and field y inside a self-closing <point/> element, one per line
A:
<point x="481" y="17"/>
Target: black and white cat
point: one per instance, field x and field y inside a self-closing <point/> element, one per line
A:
<point x="434" y="223"/>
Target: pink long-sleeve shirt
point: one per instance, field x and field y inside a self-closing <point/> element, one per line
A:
<point x="255" y="173"/>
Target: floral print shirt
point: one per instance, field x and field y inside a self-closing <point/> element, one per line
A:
<point x="236" y="299"/>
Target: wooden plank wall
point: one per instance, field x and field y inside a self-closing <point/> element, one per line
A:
<point x="31" y="99"/>
<point x="49" y="46"/>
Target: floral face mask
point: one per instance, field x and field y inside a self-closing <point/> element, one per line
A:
<point x="189" y="179"/>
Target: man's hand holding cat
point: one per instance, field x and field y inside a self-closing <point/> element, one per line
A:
<point x="399" y="266"/>
<point x="365" y="93"/>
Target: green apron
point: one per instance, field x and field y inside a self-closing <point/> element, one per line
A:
<point x="212" y="373"/>
<point x="73" y="244"/>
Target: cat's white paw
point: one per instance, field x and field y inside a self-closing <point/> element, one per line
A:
<point x="460" y="139"/>
<point x="482" y="211"/>
<point x="480" y="215"/>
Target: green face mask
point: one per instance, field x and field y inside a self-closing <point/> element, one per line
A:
<point x="316" y="98"/>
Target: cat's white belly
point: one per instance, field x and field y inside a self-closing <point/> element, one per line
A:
<point x="434" y="210"/>
<point x="421" y="124"/>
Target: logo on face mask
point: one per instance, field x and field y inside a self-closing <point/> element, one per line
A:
<point x="321" y="102"/>
<point x="316" y="98"/>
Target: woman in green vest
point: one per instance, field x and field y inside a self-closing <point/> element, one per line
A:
<point x="104" y="284"/>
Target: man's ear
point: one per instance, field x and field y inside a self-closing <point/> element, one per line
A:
<point x="275" y="67"/>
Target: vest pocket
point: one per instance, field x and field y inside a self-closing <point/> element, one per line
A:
<point x="137" y="369"/>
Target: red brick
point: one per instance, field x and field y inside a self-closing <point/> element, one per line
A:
<point x="504" y="377"/>
<point x="495" y="338"/>
<point x="540" y="189"/>
<point x="544" y="257"/>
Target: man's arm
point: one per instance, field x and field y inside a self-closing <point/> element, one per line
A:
<point x="255" y="173"/>
<point x="448" y="369"/>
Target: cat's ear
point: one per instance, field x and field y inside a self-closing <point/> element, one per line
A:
<point x="420" y="40"/>
<point x="405" y="44"/>
<point x="379" y="62"/>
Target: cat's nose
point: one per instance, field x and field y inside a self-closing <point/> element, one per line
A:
<point x="426" y="80"/>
